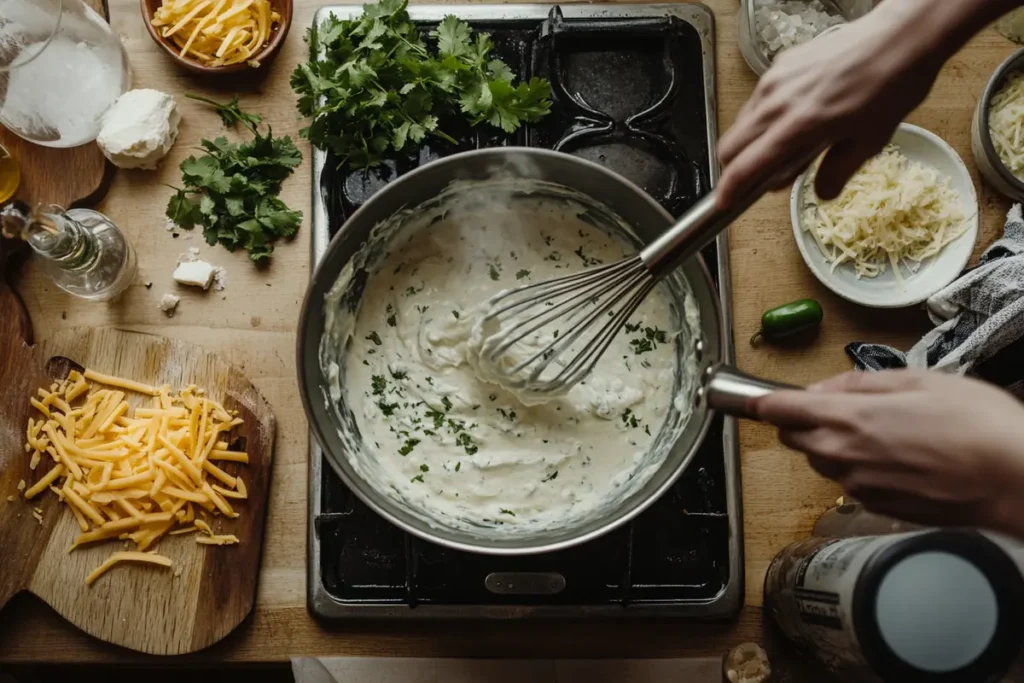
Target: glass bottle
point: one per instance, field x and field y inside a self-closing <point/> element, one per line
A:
<point x="61" y="67"/>
<point x="82" y="251"/>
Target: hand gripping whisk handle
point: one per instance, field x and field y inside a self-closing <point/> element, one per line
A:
<point x="699" y="226"/>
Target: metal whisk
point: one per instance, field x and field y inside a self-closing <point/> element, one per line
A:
<point x="543" y="338"/>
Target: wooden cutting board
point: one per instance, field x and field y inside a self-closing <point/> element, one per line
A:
<point x="139" y="607"/>
<point x="76" y="176"/>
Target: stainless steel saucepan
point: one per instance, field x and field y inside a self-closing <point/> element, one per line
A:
<point x="702" y="379"/>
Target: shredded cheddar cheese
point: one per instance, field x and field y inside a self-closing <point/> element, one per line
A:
<point x="133" y="476"/>
<point x="148" y="558"/>
<point x="217" y="32"/>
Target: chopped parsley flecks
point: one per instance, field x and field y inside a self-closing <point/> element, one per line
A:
<point x="456" y="426"/>
<point x="458" y="466"/>
<point x="551" y="477"/>
<point x="422" y="309"/>
<point x="553" y="256"/>
<point x="628" y="418"/>
<point x="652" y="337"/>
<point x="494" y="272"/>
<point x="424" y="468"/>
<point x="437" y="416"/>
<point x="398" y="374"/>
<point x="587" y="260"/>
<point x="647" y="430"/>
<point x="375" y="338"/>
<point x="379" y="384"/>
<point x="632" y="328"/>
<point x="509" y="414"/>
<point x="386" y="408"/>
<point x="410" y="290"/>
<point x="392" y="318"/>
<point x="522" y="273"/>
<point x="417" y="478"/>
<point x="466" y="441"/>
<point x="407" y="448"/>
<point x="456" y="314"/>
<point x="446" y="402"/>
<point x="507" y="512"/>
<point x="493" y="397"/>
<point x="548" y="239"/>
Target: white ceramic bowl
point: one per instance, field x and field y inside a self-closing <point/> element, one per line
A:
<point x="884" y="291"/>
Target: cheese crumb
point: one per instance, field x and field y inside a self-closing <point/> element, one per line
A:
<point x="22" y="485"/>
<point x="169" y="303"/>
<point x="194" y="273"/>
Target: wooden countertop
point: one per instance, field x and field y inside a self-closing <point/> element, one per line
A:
<point x="252" y="323"/>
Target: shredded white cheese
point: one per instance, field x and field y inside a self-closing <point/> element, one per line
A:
<point x="894" y="212"/>
<point x="1005" y="120"/>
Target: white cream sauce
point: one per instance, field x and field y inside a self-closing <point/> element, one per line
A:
<point x="462" y="449"/>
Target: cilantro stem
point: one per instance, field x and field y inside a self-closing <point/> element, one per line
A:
<point x="444" y="136"/>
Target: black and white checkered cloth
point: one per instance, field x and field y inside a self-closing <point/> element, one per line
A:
<point x="979" y="319"/>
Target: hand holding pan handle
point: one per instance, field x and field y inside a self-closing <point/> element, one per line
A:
<point x="730" y="391"/>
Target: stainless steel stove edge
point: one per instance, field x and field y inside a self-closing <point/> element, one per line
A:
<point x="728" y="602"/>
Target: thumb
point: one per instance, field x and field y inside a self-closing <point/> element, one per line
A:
<point x="844" y="159"/>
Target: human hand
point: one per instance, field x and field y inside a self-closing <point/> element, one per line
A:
<point x="847" y="92"/>
<point x="921" y="446"/>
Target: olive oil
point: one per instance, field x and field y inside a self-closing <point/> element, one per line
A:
<point x="10" y="175"/>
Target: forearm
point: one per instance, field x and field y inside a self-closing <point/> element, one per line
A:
<point x="937" y="29"/>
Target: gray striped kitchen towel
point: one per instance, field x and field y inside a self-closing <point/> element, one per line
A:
<point x="979" y="320"/>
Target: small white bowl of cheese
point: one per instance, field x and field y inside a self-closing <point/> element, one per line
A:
<point x="921" y="193"/>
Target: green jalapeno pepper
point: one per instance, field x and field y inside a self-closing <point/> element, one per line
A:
<point x="788" y="319"/>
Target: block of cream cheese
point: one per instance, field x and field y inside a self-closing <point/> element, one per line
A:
<point x="139" y="129"/>
<point x="194" y="273"/>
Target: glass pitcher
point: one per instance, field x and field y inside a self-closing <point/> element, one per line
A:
<point x="61" y="67"/>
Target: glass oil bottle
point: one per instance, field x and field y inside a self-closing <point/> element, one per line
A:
<point x="82" y="251"/>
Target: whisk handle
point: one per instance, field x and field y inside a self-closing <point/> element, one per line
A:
<point x="730" y="391"/>
<point x="699" y="226"/>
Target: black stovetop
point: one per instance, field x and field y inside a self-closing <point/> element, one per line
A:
<point x="629" y="93"/>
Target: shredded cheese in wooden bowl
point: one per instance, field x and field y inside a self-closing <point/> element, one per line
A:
<point x="217" y="32"/>
<point x="134" y="475"/>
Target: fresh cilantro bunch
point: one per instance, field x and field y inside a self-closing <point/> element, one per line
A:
<point x="231" y="191"/>
<point x="372" y="84"/>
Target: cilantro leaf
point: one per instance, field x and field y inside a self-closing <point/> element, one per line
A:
<point x="183" y="211"/>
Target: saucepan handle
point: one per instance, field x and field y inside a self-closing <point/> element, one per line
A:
<point x="730" y="391"/>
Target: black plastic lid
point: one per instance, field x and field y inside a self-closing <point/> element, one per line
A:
<point x="940" y="597"/>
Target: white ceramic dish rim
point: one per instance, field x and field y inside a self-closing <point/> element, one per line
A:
<point x="910" y="296"/>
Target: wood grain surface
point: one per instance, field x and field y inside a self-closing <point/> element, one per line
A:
<point x="209" y="590"/>
<point x="75" y="176"/>
<point x="252" y="324"/>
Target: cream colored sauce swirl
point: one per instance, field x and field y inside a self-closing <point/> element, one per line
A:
<point x="447" y="442"/>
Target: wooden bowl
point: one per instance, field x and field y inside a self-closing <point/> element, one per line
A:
<point x="273" y="45"/>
